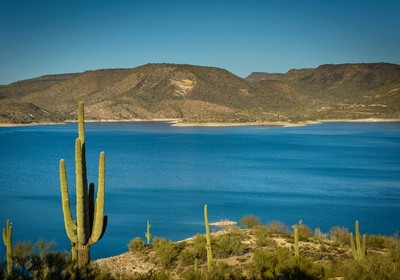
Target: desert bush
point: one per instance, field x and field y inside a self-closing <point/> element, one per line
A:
<point x="373" y="267"/>
<point x="165" y="251"/>
<point x="276" y="227"/>
<point x="250" y="221"/>
<point x="38" y="261"/>
<point x="281" y="264"/>
<point x="199" y="245"/>
<point x="150" y="275"/>
<point x="222" y="270"/>
<point x="377" y="241"/>
<point x="304" y="232"/>
<point x="340" y="235"/>
<point x="136" y="245"/>
<point x="262" y="236"/>
<point x="228" y="244"/>
<point x="187" y="256"/>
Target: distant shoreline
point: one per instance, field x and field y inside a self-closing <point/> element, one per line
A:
<point x="178" y="122"/>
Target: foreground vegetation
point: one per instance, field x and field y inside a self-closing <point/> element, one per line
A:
<point x="259" y="252"/>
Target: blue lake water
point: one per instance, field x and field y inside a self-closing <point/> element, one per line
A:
<point x="327" y="175"/>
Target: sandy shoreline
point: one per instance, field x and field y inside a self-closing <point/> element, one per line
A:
<point x="178" y="122"/>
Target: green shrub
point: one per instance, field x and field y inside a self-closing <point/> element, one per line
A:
<point x="281" y="264"/>
<point x="228" y="244"/>
<point x="199" y="245"/>
<point x="250" y="221"/>
<point x="39" y="262"/>
<point x="187" y="256"/>
<point x="373" y="267"/>
<point x="304" y="232"/>
<point x="136" y="245"/>
<point x="165" y="251"/>
<point x="276" y="227"/>
<point x="377" y="241"/>
<point x="222" y="270"/>
<point x="263" y="236"/>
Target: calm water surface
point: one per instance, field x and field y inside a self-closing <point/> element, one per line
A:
<point x="327" y="175"/>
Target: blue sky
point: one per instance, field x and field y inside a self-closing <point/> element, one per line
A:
<point x="53" y="37"/>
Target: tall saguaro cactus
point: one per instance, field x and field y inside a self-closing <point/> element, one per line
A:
<point x="357" y="248"/>
<point x="7" y="239"/>
<point x="208" y="246"/>
<point x="90" y="223"/>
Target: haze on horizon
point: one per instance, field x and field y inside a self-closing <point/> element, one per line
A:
<point x="54" y="37"/>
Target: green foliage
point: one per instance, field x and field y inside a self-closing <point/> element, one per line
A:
<point x="304" y="231"/>
<point x="222" y="270"/>
<point x="263" y="236"/>
<point x="188" y="256"/>
<point x="371" y="268"/>
<point x="250" y="221"/>
<point x="166" y="252"/>
<point x="90" y="223"/>
<point x="228" y="244"/>
<point x="276" y="227"/>
<point x="378" y="241"/>
<point x="136" y="245"/>
<point x="38" y="261"/>
<point x="280" y="264"/>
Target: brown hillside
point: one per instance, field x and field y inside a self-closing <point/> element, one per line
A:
<point x="207" y="94"/>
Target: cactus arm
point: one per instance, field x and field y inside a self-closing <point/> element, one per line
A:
<point x="364" y="246"/>
<point x="91" y="204"/>
<point x="70" y="225"/>
<point x="80" y="195"/>
<point x="98" y="220"/>
<point x="105" y="221"/>
<point x="208" y="246"/>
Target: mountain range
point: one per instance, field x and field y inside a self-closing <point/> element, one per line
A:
<point x="199" y="94"/>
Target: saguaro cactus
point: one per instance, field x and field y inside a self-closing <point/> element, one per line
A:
<point x="7" y="239"/>
<point x="208" y="246"/>
<point x="90" y="223"/>
<point x="357" y="249"/>
<point x="147" y="233"/>
<point x="296" y="242"/>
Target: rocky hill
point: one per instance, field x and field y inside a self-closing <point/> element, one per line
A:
<point x="207" y="94"/>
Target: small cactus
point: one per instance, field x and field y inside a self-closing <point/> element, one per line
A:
<point x="7" y="239"/>
<point x="357" y="248"/>
<point x="208" y="246"/>
<point x="147" y="233"/>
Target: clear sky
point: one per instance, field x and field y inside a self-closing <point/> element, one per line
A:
<point x="54" y="37"/>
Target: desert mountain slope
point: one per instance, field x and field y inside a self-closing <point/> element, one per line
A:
<point x="207" y="94"/>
